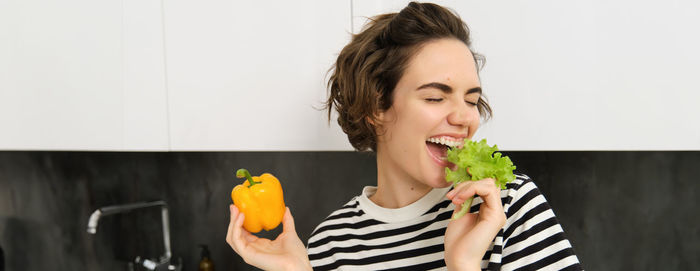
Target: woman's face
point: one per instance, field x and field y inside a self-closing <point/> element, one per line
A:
<point x="434" y="105"/>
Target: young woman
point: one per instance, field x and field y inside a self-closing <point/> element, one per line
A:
<point x="407" y="87"/>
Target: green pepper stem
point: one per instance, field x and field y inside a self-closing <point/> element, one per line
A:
<point x="243" y="173"/>
<point x="465" y="208"/>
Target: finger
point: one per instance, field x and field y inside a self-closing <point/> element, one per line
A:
<point x="463" y="192"/>
<point x="458" y="208"/>
<point x="249" y="237"/>
<point x="489" y="192"/>
<point x="465" y="222"/>
<point x="229" y="233"/>
<point x="486" y="189"/>
<point x="238" y="243"/>
<point x="288" y="222"/>
<point x="451" y="193"/>
<point x="459" y="187"/>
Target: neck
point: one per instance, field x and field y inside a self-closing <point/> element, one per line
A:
<point x="396" y="189"/>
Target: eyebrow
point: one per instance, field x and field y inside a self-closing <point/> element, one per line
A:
<point x="446" y="88"/>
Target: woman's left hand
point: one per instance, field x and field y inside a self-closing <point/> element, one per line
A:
<point x="286" y="252"/>
<point x="468" y="237"/>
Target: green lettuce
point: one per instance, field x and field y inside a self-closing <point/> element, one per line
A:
<point x="477" y="161"/>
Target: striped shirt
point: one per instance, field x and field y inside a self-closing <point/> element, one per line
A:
<point x="364" y="236"/>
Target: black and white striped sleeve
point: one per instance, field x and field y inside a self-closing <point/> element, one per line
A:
<point x="532" y="237"/>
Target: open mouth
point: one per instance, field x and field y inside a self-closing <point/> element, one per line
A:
<point x="438" y="146"/>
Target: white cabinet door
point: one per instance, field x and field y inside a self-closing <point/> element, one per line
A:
<point x="248" y="75"/>
<point x="81" y="75"/>
<point x="145" y="105"/>
<point x="583" y="75"/>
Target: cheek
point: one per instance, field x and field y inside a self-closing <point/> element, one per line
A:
<point x="474" y="124"/>
<point x="425" y="121"/>
<point x="414" y="117"/>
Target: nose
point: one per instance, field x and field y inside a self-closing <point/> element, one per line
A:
<point x="463" y="114"/>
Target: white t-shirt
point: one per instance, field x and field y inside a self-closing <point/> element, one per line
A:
<point x="364" y="236"/>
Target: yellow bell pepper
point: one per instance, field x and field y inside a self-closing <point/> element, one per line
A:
<point x="260" y="199"/>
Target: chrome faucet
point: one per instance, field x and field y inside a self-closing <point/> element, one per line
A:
<point x="115" y="209"/>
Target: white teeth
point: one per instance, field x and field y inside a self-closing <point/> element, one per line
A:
<point x="447" y="141"/>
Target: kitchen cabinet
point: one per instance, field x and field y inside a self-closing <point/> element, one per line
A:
<point x="587" y="75"/>
<point x="82" y="75"/>
<point x="250" y="75"/>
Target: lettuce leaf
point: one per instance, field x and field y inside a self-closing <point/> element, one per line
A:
<point x="477" y="161"/>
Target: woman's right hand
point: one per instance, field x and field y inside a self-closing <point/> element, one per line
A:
<point x="468" y="238"/>
<point x="286" y="252"/>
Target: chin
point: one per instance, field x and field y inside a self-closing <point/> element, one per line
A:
<point x="435" y="176"/>
<point x="442" y="184"/>
<point x="438" y="181"/>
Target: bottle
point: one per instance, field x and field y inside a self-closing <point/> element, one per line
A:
<point x="205" y="264"/>
<point x="2" y="260"/>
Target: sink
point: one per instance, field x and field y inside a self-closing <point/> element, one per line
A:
<point x="164" y="262"/>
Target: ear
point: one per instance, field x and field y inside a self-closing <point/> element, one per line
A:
<point x="379" y="118"/>
<point x="370" y="121"/>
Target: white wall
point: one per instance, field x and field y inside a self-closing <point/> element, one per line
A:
<point x="243" y="76"/>
<point x="584" y="75"/>
<point x="82" y="75"/>
<point x="222" y="75"/>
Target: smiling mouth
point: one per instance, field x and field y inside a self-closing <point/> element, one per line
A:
<point x="437" y="150"/>
<point x="438" y="146"/>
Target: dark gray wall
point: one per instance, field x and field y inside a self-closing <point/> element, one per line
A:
<point x="621" y="210"/>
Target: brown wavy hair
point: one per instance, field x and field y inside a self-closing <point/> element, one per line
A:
<point x="367" y="70"/>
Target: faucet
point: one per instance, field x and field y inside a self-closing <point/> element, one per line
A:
<point x="115" y="209"/>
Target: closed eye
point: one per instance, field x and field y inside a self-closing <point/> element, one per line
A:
<point x="434" y="100"/>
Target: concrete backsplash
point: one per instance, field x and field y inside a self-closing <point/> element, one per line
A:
<point x="620" y="210"/>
